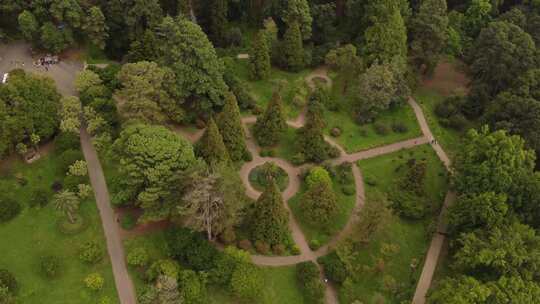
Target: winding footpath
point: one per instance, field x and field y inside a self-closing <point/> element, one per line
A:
<point x="112" y="232"/>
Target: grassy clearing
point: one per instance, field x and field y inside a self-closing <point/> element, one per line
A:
<point x="411" y="237"/>
<point x="323" y="235"/>
<point x="93" y="55"/>
<point x="34" y="233"/>
<point x="280" y="282"/>
<point x="262" y="90"/>
<point x="449" y="139"/>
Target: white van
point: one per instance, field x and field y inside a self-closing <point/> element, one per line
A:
<point x="5" y="78"/>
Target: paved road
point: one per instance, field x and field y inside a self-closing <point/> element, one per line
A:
<point x="124" y="285"/>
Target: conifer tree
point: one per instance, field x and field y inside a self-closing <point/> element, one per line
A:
<point x="310" y="138"/>
<point x="230" y="127"/>
<point x="319" y="203"/>
<point x="272" y="124"/>
<point x="293" y="50"/>
<point x="259" y="57"/>
<point x="269" y="219"/>
<point x="211" y="147"/>
<point x="218" y="21"/>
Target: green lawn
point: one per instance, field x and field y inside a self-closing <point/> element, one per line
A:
<point x="34" y="233"/>
<point x="449" y="139"/>
<point x="280" y="282"/>
<point x="323" y="235"/>
<point x="411" y="237"/>
<point x="262" y="90"/>
<point x="355" y="137"/>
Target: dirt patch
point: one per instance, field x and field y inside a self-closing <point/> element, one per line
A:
<point x="448" y="78"/>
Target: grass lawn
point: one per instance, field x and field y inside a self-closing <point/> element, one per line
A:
<point x="323" y="235"/>
<point x="280" y="282"/>
<point x="411" y="237"/>
<point x="262" y="90"/>
<point x="355" y="137"/>
<point x="34" y="233"/>
<point x="449" y="139"/>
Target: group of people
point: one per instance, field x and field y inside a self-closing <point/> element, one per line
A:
<point x="46" y="61"/>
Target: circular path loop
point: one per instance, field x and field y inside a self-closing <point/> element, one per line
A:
<point x="306" y="254"/>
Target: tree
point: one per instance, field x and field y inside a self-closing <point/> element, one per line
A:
<point x="150" y="159"/>
<point x="95" y="27"/>
<point x="144" y="48"/>
<point x="87" y="79"/>
<point x="192" y="287"/>
<point x="375" y="214"/>
<point x="28" y="25"/>
<point x="490" y="162"/>
<point x="293" y="50"/>
<point x="269" y="128"/>
<point x="67" y="11"/>
<point x="510" y="250"/>
<point x="67" y="202"/>
<point x="298" y="11"/>
<point x="386" y="38"/>
<point x="70" y="114"/>
<point x="269" y="220"/>
<point x="429" y="33"/>
<point x="317" y="175"/>
<point x="54" y="39"/>
<point x="247" y="281"/>
<point x="514" y="289"/>
<point x="211" y="147"/>
<point x="144" y="95"/>
<point x="259" y="58"/>
<point x="231" y="129"/>
<point x="460" y="290"/>
<point x="485" y="210"/>
<point x="141" y="15"/>
<point x="199" y="72"/>
<point x="167" y="290"/>
<point x="218" y="20"/>
<point x="212" y="201"/>
<point x="375" y="90"/>
<point x="477" y="16"/>
<point x="310" y="137"/>
<point x="319" y="204"/>
<point x="503" y="53"/>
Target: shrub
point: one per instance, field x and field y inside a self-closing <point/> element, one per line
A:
<point x="128" y="222"/>
<point x="318" y="175"/>
<point x="138" y="257"/>
<point x="334" y="268"/>
<point x="9" y="208"/>
<point x="381" y="128"/>
<point x="335" y="132"/>
<point x="247" y="281"/>
<point x="228" y="236"/>
<point x="191" y="249"/>
<point x="39" y="197"/>
<point x="457" y="121"/>
<point x="314" y="244"/>
<point x="234" y="37"/>
<point x="91" y="252"/>
<point x="409" y="204"/>
<point x="66" y="141"/>
<point x="72" y="182"/>
<point x="7" y="279"/>
<point x="348" y="190"/>
<point x="67" y="158"/>
<point x="94" y="281"/>
<point x="50" y="266"/>
<point x="278" y="249"/>
<point x="298" y="159"/>
<point x="295" y="250"/>
<point x="245" y="244"/>
<point x="256" y="109"/>
<point x="56" y="186"/>
<point x="267" y="152"/>
<point x="399" y="127"/>
<point x="307" y="276"/>
<point x="105" y="300"/>
<point x="262" y="247"/>
<point x="165" y="267"/>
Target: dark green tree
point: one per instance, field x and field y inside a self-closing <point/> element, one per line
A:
<point x="199" y="73"/>
<point x="218" y="21"/>
<point x="485" y="210"/>
<point x="28" y="25"/>
<point x="299" y="11"/>
<point x="141" y="15"/>
<point x="144" y="48"/>
<point x="460" y="290"/>
<point x="271" y="125"/>
<point x="319" y="204"/>
<point x="259" y="57"/>
<point x="231" y="129"/>
<point x="95" y="27"/>
<point x="268" y="221"/>
<point x="429" y="33"/>
<point x="386" y="38"/>
<point x="211" y="147"/>
<point x="293" y="49"/>
<point x="310" y="138"/>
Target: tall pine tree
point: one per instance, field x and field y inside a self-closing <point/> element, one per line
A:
<point x="269" y="128"/>
<point x="259" y="58"/>
<point x="211" y="147"/>
<point x="293" y="49"/>
<point x="319" y="203"/>
<point x="269" y="219"/>
<point x="230" y="126"/>
<point x="386" y="38"/>
<point x="310" y="138"/>
<point x="218" y="21"/>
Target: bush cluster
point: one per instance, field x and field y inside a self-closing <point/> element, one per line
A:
<point x="91" y="252"/>
<point x="450" y="113"/>
<point x="50" y="266"/>
<point x="9" y="209"/>
<point x="307" y="276"/>
<point x="334" y="268"/>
